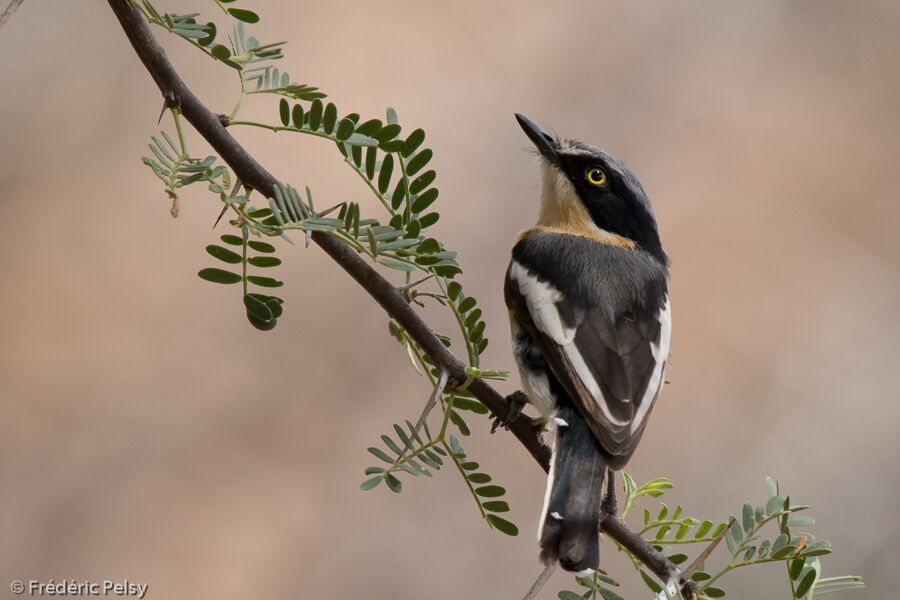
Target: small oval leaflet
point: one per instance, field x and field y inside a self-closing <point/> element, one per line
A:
<point x="413" y="141"/>
<point x="261" y="246"/>
<point x="418" y="161"/>
<point x="384" y="175"/>
<point x="218" y="275"/>
<point x="330" y="117"/>
<point x="297" y="116"/>
<point x="210" y="35"/>
<point x="242" y="14"/>
<point x="221" y="52"/>
<point x="496" y="506"/>
<point x="490" y="491"/>
<point x="264" y="281"/>
<point x="429" y="219"/>
<point x="284" y="111"/>
<point x="422" y="181"/>
<point x="502" y="525"/>
<point x="372" y="483"/>
<point x="264" y="261"/>
<point x="223" y="254"/>
<point x="234" y="240"/>
<point x="344" y="129"/>
<point x="425" y="200"/>
<point x="315" y="114"/>
<point x="257" y="308"/>
<point x="387" y="133"/>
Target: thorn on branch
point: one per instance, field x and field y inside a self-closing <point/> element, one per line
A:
<point x="234" y="192"/>
<point x="329" y="210"/>
<point x="168" y="102"/>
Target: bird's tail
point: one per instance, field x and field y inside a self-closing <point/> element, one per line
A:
<point x="569" y="530"/>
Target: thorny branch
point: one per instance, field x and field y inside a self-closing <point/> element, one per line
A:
<point x="391" y="299"/>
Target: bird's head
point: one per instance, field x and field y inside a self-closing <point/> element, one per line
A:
<point x="589" y="192"/>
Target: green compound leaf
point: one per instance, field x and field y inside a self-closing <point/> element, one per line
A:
<point x="218" y="276"/>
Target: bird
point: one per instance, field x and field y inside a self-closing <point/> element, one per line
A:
<point x="587" y="294"/>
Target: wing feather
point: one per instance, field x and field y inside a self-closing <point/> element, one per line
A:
<point x="611" y="366"/>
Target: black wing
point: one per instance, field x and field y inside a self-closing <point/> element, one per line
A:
<point x="606" y="347"/>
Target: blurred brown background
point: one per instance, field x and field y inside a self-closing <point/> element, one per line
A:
<point x="151" y="434"/>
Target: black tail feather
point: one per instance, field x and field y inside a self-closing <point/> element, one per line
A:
<point x="571" y="519"/>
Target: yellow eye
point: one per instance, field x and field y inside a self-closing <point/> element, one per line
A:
<point x="596" y="176"/>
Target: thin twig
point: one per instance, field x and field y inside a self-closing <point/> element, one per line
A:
<point x="256" y="177"/>
<point x="9" y="10"/>
<point x="432" y="400"/>
<point x="701" y="558"/>
<point x="541" y="581"/>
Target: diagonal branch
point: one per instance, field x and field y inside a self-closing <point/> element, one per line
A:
<point x="391" y="299"/>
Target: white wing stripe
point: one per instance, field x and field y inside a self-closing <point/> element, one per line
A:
<point x="541" y="298"/>
<point x="660" y="354"/>
<point x="584" y="374"/>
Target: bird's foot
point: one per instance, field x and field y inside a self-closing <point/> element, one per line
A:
<point x="517" y="401"/>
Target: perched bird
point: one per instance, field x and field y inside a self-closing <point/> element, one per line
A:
<point x="589" y="315"/>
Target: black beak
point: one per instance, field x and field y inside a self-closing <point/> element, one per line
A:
<point x="545" y="144"/>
